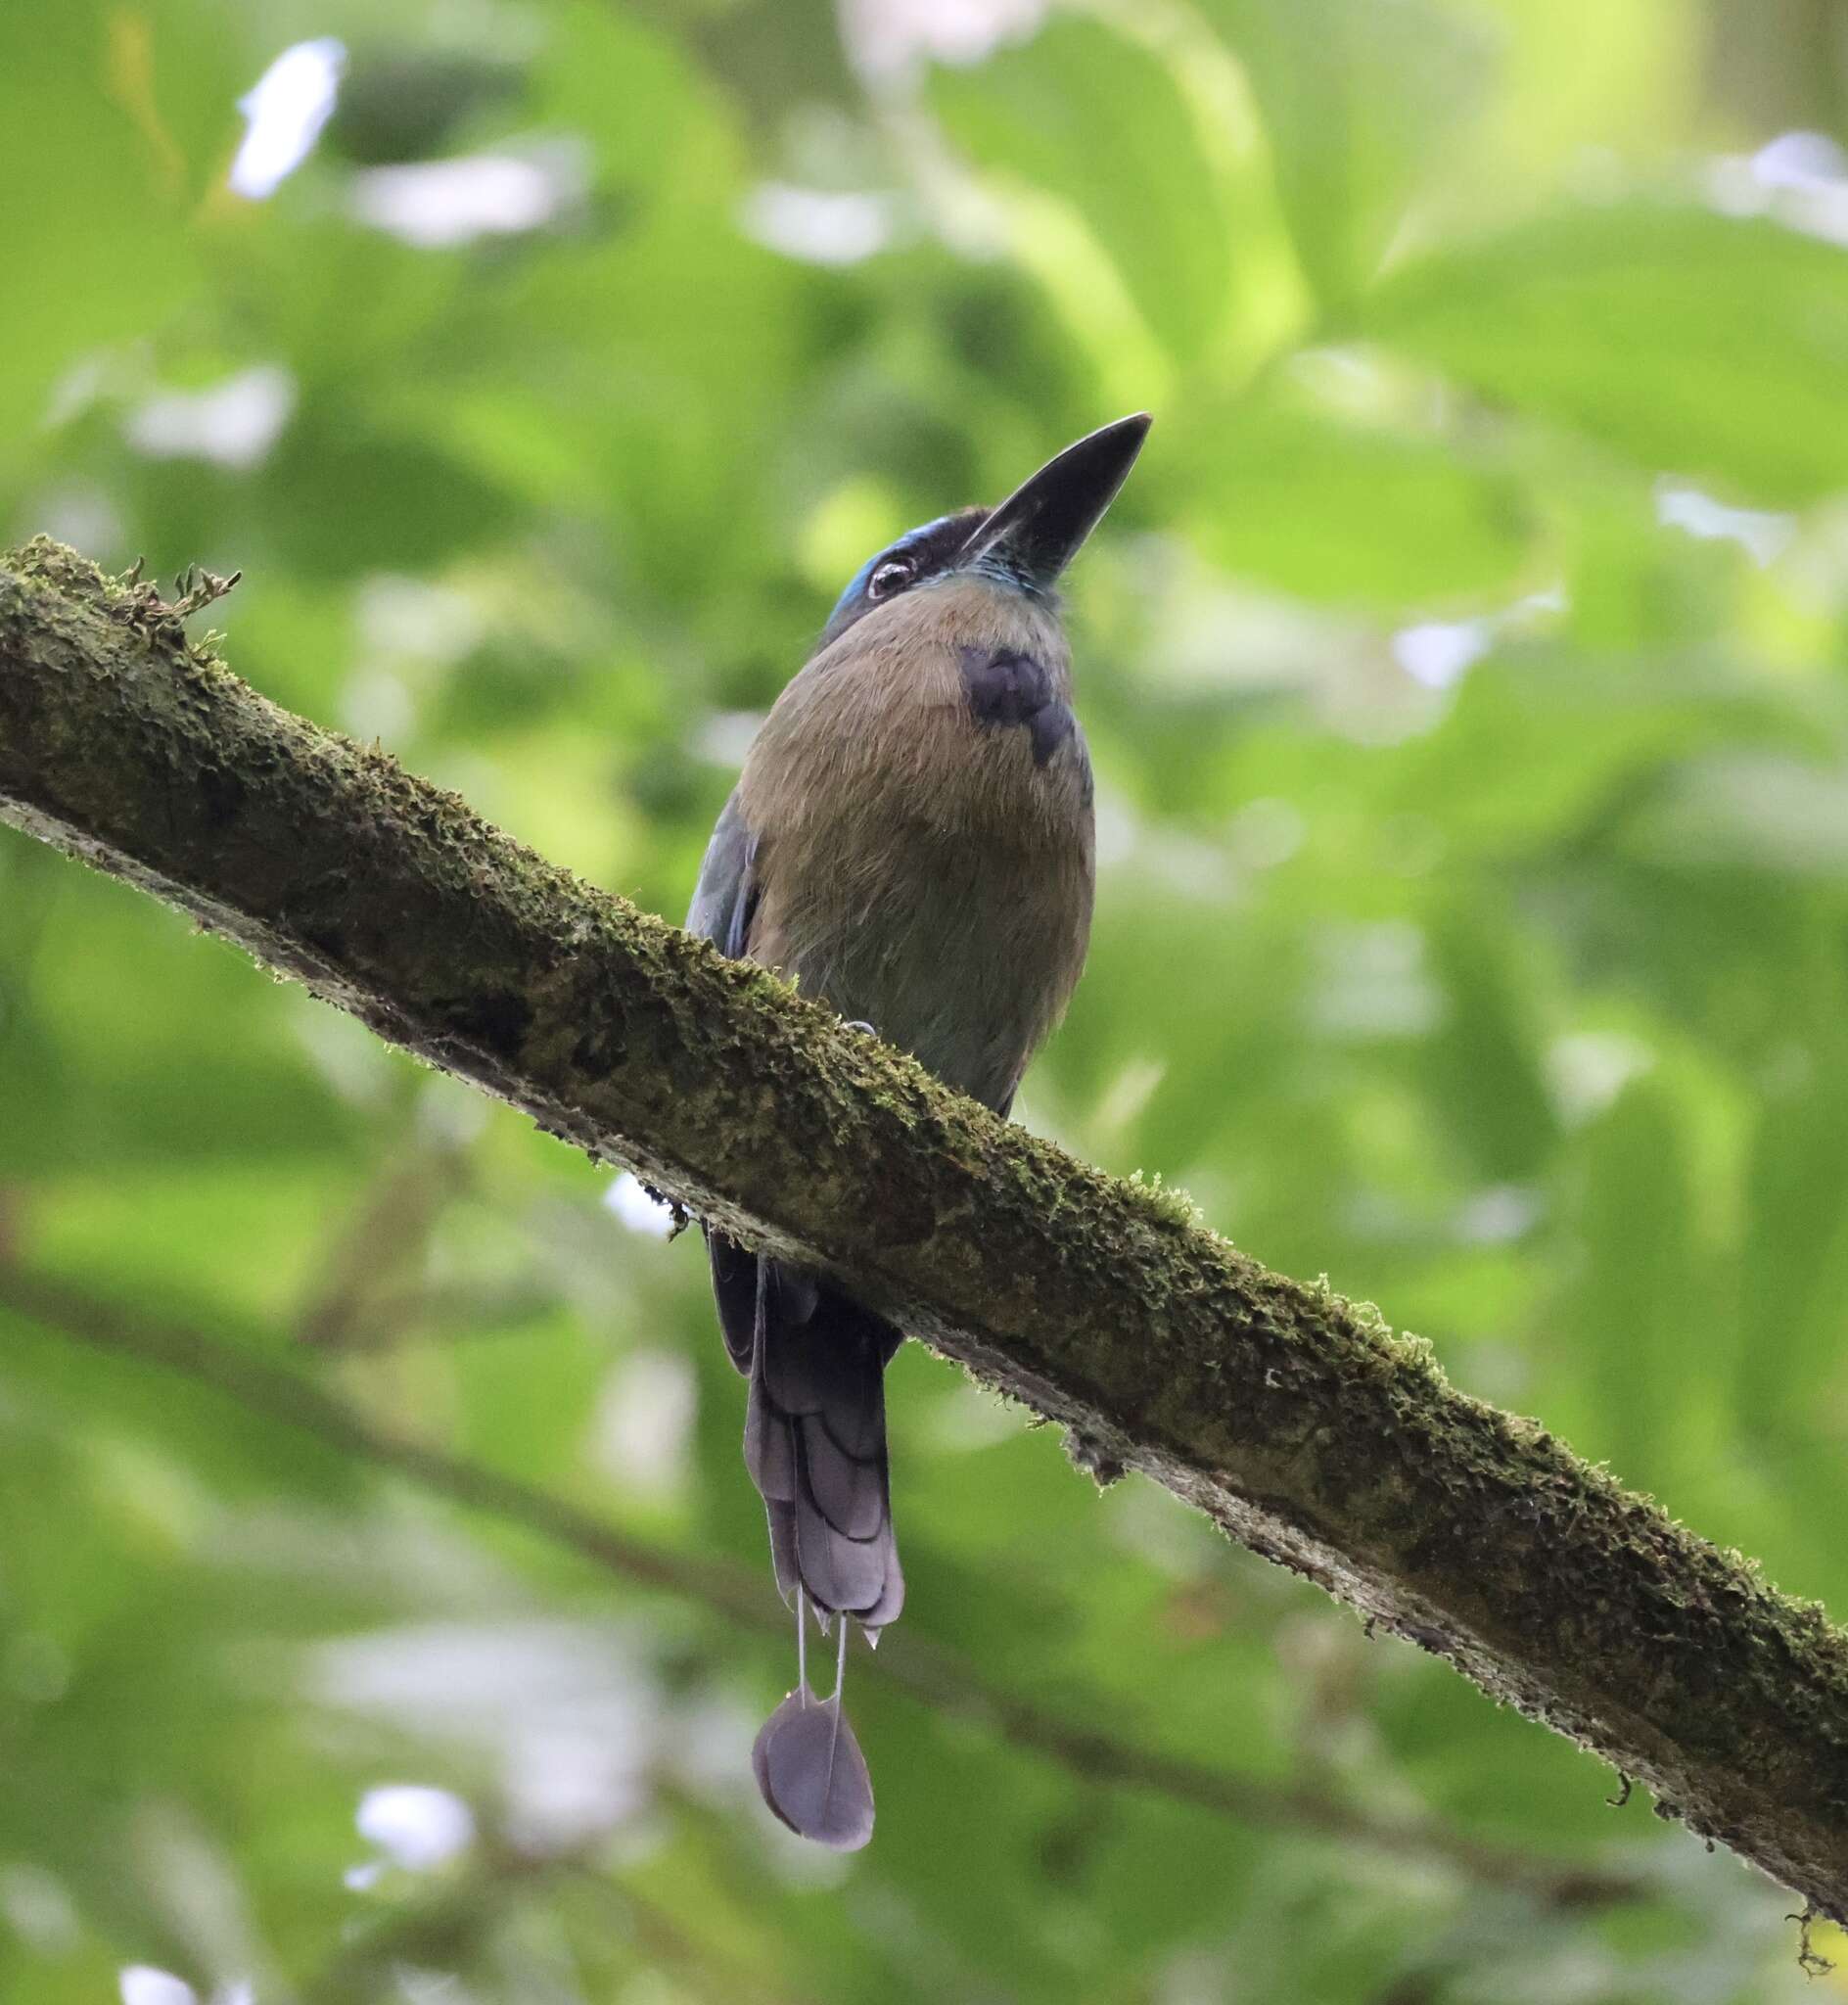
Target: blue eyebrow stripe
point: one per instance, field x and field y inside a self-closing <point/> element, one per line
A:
<point x="863" y="576"/>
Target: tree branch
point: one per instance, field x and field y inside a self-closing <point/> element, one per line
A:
<point x="1299" y="1424"/>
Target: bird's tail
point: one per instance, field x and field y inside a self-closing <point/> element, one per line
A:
<point x="814" y="1437"/>
<point x="815" y="1445"/>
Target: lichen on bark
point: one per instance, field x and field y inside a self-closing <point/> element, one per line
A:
<point x="1296" y="1421"/>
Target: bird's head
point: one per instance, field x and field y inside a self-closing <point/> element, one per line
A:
<point x="1023" y="545"/>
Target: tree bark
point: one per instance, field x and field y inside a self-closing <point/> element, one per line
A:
<point x="1296" y="1421"/>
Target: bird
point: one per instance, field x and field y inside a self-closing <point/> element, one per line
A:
<point x="911" y="842"/>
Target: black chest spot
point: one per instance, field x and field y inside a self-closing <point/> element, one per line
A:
<point x="1006" y="688"/>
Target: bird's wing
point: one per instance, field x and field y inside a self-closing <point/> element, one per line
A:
<point x="726" y="899"/>
<point x="815" y="1432"/>
<point x="723" y="903"/>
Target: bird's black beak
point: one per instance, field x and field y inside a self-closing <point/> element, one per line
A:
<point x="1036" y="531"/>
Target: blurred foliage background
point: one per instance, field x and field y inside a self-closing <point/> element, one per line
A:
<point x="1467" y="670"/>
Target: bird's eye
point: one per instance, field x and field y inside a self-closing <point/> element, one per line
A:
<point x="893" y="575"/>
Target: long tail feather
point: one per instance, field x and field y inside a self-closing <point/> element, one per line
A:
<point x="816" y="1431"/>
<point x="814" y="1441"/>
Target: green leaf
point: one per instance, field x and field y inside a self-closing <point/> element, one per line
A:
<point x="1093" y="121"/>
<point x="1333" y="511"/>
<point x="99" y="184"/>
<point x="1361" y="100"/>
<point x="1640" y="1303"/>
<point x="1482" y="1066"/>
<point x="1794" y="1259"/>
<point x="1694" y="342"/>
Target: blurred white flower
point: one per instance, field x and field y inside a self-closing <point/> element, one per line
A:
<point x="569" y="1713"/>
<point x="1765" y="535"/>
<point x="233" y="424"/>
<point x="414" y="617"/>
<point x="142" y="1985"/>
<point x="415" y="1826"/>
<point x="1801" y="159"/>
<point x="817" y="225"/>
<point x="887" y="36"/>
<point x="645" y="1420"/>
<point x="285" y="110"/>
<point x="1586" y="1070"/>
<point x="1800" y="178"/>
<point x="1437" y="652"/>
<point x="437" y="205"/>
<point x="641" y="1213"/>
<point x="1498" y="1215"/>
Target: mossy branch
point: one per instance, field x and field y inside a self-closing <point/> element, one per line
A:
<point x="1296" y="1421"/>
